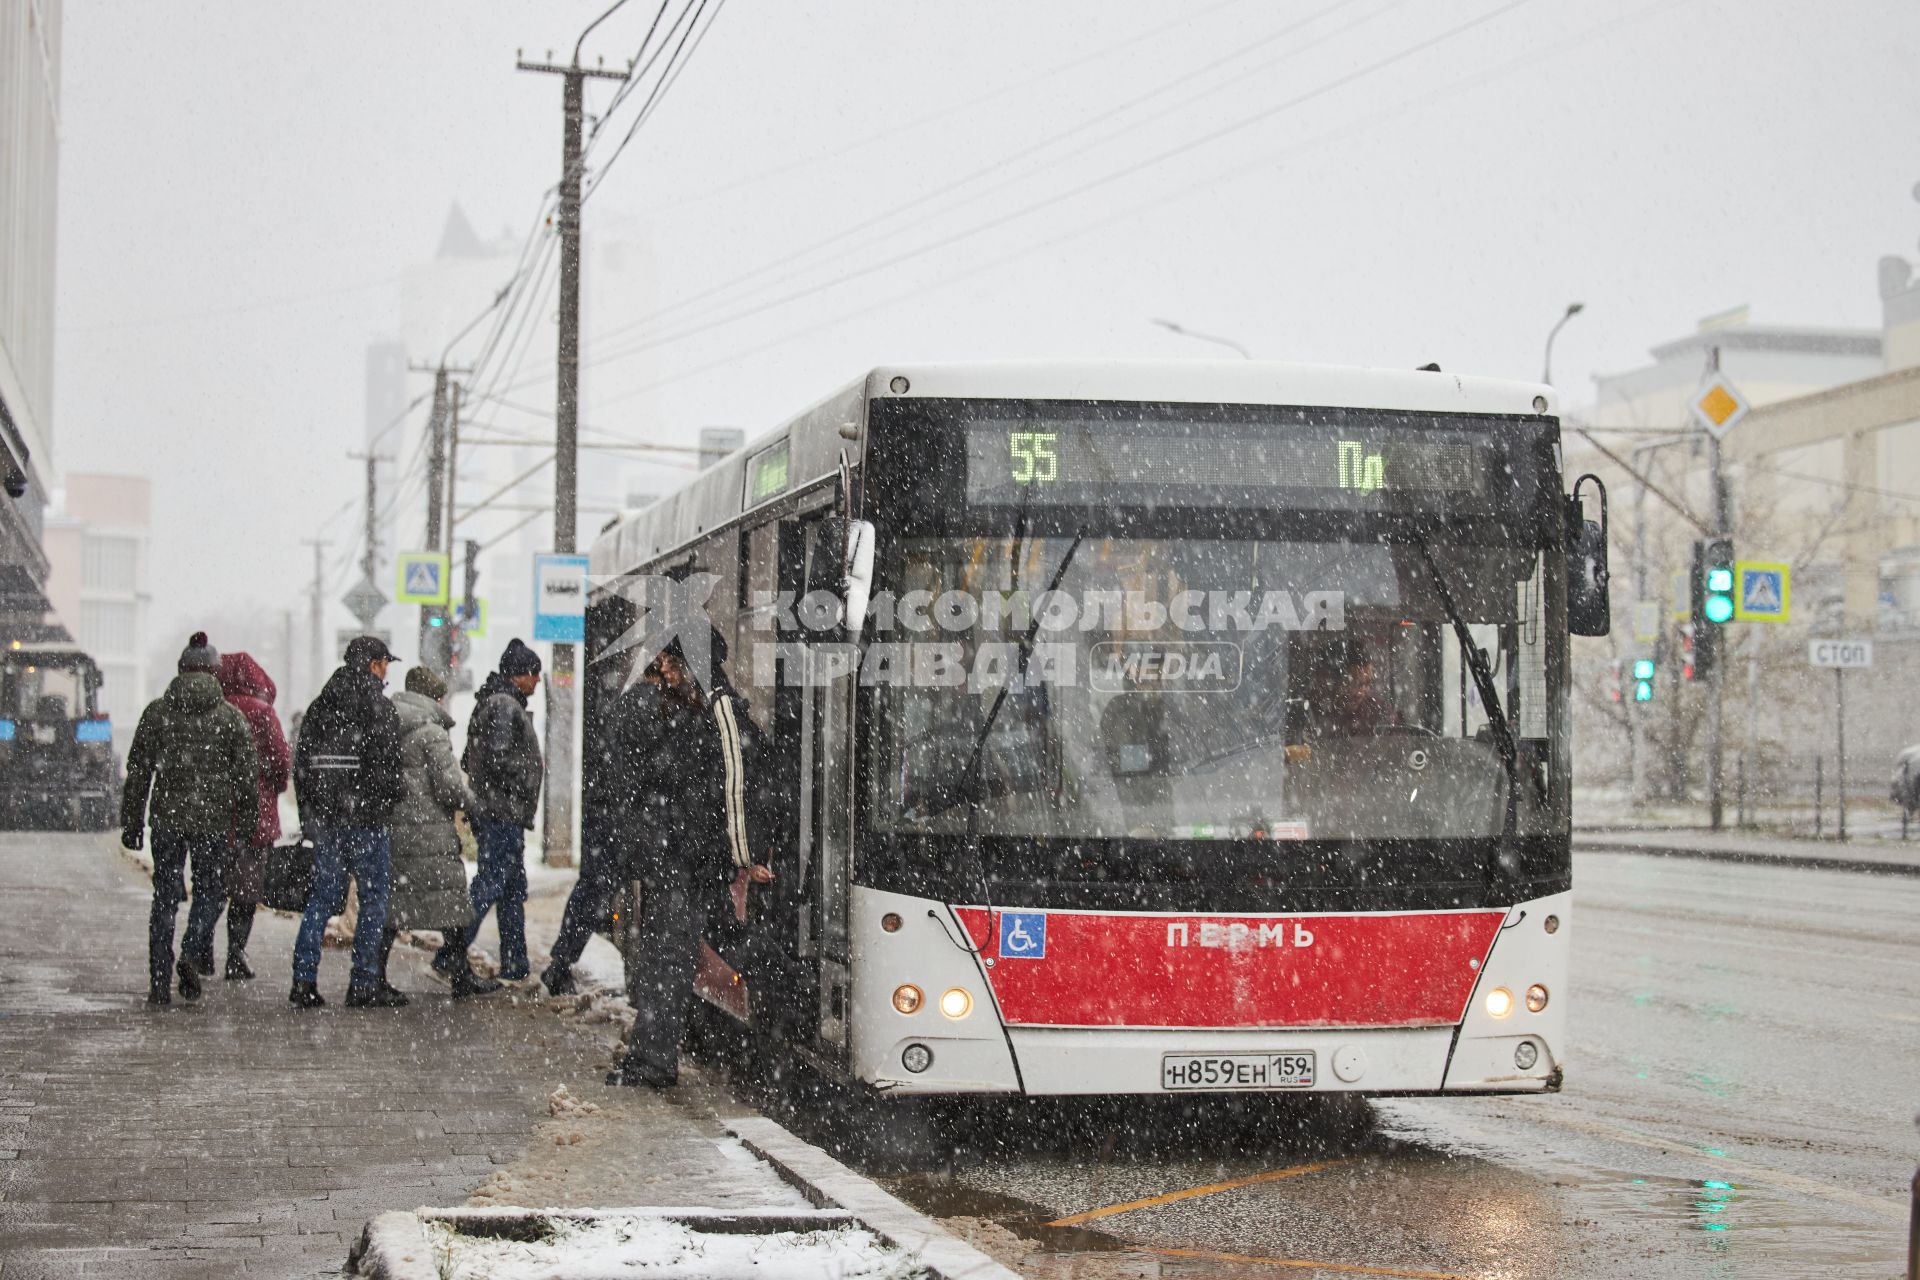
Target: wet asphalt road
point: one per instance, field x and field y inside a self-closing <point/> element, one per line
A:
<point x="1740" y="1101"/>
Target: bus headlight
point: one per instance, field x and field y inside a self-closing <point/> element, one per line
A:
<point x="1525" y="1054"/>
<point x="956" y="1004"/>
<point x="1499" y="1002"/>
<point x="916" y="1058"/>
<point x="1536" y="998"/>
<point x="907" y="998"/>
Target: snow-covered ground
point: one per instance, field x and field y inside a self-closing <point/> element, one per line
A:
<point x="660" y="1247"/>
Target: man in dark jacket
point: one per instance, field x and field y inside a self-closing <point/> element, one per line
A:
<point x="502" y="760"/>
<point x="609" y="764"/>
<point x="689" y="836"/>
<point x="346" y="778"/>
<point x="193" y="755"/>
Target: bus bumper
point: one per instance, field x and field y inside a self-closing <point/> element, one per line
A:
<point x="1521" y="1051"/>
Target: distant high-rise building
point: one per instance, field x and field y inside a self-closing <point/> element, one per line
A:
<point x="97" y="538"/>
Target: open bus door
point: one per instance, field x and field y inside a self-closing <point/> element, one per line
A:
<point x="826" y="793"/>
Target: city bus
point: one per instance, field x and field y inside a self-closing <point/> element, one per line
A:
<point x="1140" y="728"/>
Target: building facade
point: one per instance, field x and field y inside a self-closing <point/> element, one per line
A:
<point x="29" y="173"/>
<point x="1820" y="477"/>
<point x="97" y="540"/>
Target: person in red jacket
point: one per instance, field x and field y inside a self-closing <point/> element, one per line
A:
<point x="250" y="690"/>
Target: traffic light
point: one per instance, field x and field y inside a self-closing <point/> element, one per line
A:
<point x="1712" y="601"/>
<point x="1643" y="671"/>
<point x="1687" y="670"/>
<point x="1613" y="681"/>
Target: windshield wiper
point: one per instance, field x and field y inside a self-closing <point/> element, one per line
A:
<point x="968" y="790"/>
<point x="1476" y="660"/>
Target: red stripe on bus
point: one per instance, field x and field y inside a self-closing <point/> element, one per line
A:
<point x="1128" y="970"/>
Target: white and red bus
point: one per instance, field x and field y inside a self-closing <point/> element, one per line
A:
<point x="1146" y="727"/>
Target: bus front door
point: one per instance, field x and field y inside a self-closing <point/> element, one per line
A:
<point x="826" y="800"/>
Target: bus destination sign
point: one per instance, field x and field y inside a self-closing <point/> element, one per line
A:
<point x="1321" y="466"/>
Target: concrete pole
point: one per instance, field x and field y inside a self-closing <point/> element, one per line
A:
<point x="562" y="765"/>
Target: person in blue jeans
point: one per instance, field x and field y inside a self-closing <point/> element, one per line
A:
<point x="347" y="781"/>
<point x="502" y="760"/>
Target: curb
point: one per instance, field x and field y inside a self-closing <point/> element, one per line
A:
<point x="830" y="1184"/>
<point x="393" y="1246"/>
<point x="1793" y="861"/>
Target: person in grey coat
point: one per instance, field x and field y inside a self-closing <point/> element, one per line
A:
<point x="429" y="879"/>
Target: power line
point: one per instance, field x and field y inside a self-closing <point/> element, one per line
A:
<point x="1051" y="75"/>
<point x="1000" y="166"/>
<point x="633" y="76"/>
<point x="665" y="82"/>
<point x="1073" y="192"/>
<point x="1477" y="79"/>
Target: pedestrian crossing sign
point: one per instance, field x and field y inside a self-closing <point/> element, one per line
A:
<point x="1764" y="591"/>
<point x="422" y="578"/>
<point x="471" y="624"/>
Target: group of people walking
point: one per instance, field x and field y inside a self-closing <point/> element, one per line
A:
<point x="377" y="787"/>
<point x="669" y="814"/>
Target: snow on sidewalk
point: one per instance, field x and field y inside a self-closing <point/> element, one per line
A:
<point x="659" y="1246"/>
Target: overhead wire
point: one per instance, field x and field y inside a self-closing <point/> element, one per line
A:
<point x="1471" y="81"/>
<point x="1051" y="75"/>
<point x="791" y="265"/>
<point x="1079" y="189"/>
<point x="668" y="75"/>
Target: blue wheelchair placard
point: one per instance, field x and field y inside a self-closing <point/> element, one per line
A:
<point x="1023" y="935"/>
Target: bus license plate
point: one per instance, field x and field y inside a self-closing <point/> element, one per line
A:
<point x="1179" y="1071"/>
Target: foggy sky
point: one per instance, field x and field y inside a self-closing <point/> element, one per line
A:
<point x="242" y="186"/>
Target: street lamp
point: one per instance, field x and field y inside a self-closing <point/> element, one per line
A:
<point x="1546" y="371"/>
<point x="1185" y="332"/>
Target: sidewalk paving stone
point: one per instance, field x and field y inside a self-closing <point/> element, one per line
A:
<point x="239" y="1136"/>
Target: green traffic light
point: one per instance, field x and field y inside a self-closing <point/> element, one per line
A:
<point x="1643" y="669"/>
<point x="1643" y="691"/>
<point x="1719" y="579"/>
<point x="1718" y="608"/>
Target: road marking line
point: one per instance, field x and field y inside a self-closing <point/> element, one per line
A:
<point x="1296" y="1171"/>
<point x="1307" y="1264"/>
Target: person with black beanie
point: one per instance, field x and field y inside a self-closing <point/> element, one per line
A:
<point x="192" y="757"/>
<point x="502" y="760"/>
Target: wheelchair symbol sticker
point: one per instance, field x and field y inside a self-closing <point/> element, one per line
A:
<point x="1023" y="935"/>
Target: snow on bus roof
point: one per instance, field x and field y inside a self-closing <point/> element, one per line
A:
<point x="1217" y="382"/>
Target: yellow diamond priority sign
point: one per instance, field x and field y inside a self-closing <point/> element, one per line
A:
<point x="1718" y="405"/>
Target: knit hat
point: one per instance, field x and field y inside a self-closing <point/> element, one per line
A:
<point x="518" y="660"/>
<point x="422" y="680"/>
<point x="199" y="655"/>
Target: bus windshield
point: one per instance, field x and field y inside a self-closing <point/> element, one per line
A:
<point x="1190" y="688"/>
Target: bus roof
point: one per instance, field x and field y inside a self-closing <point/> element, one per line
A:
<point x="816" y="437"/>
<point x="1216" y="382"/>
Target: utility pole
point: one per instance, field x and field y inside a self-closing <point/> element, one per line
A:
<point x="370" y="562"/>
<point x="445" y="401"/>
<point x="1717" y="677"/>
<point x="318" y="668"/>
<point x="562" y="765"/>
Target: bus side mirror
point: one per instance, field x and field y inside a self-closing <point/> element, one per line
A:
<point x="851" y="579"/>
<point x="1589" y="607"/>
<point x="857" y="589"/>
